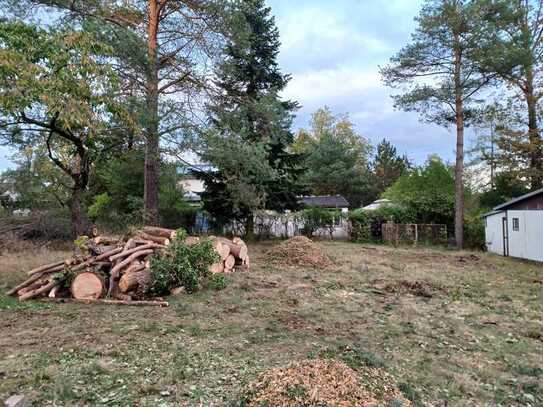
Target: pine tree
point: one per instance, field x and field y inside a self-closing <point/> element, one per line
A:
<point x="440" y="76"/>
<point x="250" y="137"/>
<point x="388" y="166"/>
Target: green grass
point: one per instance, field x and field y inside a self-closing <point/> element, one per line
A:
<point x="476" y="341"/>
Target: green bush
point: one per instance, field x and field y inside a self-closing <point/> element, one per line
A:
<point x="314" y="218"/>
<point x="365" y="226"/>
<point x="474" y="232"/>
<point x="180" y="265"/>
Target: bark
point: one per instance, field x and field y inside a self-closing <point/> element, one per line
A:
<point x="250" y="228"/>
<point x="75" y="210"/>
<point x="152" y="153"/>
<point x="459" y="167"/>
<point x="131" y="281"/>
<point x="536" y="161"/>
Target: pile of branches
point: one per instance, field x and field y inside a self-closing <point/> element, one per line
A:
<point x="119" y="270"/>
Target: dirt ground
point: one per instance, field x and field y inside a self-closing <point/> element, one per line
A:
<point x="454" y="329"/>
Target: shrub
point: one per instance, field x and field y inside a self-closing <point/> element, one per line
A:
<point x="365" y="226"/>
<point x="180" y="265"/>
<point x="315" y="218"/>
<point x="474" y="232"/>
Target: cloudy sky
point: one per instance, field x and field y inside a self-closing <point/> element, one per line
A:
<point x="333" y="50"/>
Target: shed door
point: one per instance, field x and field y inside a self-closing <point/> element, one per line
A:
<point x="505" y="230"/>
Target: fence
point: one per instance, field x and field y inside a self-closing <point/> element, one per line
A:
<point x="396" y="233"/>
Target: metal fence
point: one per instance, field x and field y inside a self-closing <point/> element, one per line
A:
<point x="411" y="233"/>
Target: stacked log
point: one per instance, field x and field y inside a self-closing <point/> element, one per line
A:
<point x="233" y="255"/>
<point x="119" y="269"/>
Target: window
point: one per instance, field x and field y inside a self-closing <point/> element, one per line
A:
<point x="516" y="225"/>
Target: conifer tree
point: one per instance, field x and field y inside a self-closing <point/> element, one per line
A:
<point x="250" y="137"/>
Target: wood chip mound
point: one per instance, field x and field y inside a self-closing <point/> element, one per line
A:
<point x="309" y="383"/>
<point x="299" y="251"/>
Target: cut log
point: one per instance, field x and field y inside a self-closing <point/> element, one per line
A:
<point x="39" y="291"/>
<point x="230" y="262"/>
<point x="130" y="259"/>
<point x="217" y="268"/>
<point x="237" y="250"/>
<point x="26" y="283"/>
<point x="46" y="267"/>
<point x="192" y="240"/>
<point x="135" y="281"/>
<point x="87" y="286"/>
<point x="161" y="232"/>
<point x="238" y="240"/>
<point x="34" y="286"/>
<point x="134" y="267"/>
<point x="222" y="249"/>
<point x="55" y="291"/>
<point x="115" y="271"/>
<point x="156" y="239"/>
<point x="134" y="250"/>
<point x="111" y="302"/>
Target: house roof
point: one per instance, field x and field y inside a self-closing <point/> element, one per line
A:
<point x="519" y="199"/>
<point x="327" y="201"/>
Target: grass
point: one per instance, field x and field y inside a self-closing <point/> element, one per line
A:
<point x="472" y="336"/>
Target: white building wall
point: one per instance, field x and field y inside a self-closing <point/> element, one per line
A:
<point x="494" y="233"/>
<point x="527" y="242"/>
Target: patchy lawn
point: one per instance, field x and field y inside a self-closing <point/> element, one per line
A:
<point x="452" y="328"/>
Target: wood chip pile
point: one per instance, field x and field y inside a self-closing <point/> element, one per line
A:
<point x="319" y="382"/>
<point x="299" y="251"/>
<point x="119" y="269"/>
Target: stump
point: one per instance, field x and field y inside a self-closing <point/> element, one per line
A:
<point x="87" y="286"/>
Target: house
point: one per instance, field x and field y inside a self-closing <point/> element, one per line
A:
<point x="193" y="185"/>
<point x="515" y="228"/>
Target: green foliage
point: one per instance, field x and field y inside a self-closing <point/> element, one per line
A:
<point x="219" y="282"/>
<point x="365" y="226"/>
<point x="474" y="231"/>
<point x="334" y="153"/>
<point x="388" y="166"/>
<point x="250" y="136"/>
<point x="99" y="206"/>
<point x="427" y="192"/>
<point x="315" y="218"/>
<point x="506" y="187"/>
<point x="180" y="265"/>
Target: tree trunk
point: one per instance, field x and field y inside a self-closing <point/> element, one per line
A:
<point x="459" y="167"/>
<point x="250" y="228"/>
<point x="75" y="210"/>
<point x="536" y="162"/>
<point x="152" y="153"/>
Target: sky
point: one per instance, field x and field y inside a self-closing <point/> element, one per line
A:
<point x="333" y="50"/>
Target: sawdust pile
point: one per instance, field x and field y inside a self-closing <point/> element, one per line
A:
<point x="318" y="382"/>
<point x="299" y="251"/>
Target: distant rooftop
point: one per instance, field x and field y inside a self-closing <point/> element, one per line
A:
<point x="326" y="201"/>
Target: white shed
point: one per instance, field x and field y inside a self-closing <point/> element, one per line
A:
<point x="515" y="228"/>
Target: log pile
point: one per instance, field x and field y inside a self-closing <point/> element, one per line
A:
<point x="119" y="269"/>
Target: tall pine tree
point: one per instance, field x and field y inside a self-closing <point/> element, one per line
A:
<point x="250" y="137"/>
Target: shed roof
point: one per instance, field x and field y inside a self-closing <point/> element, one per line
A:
<point x="327" y="201"/>
<point x="519" y="199"/>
